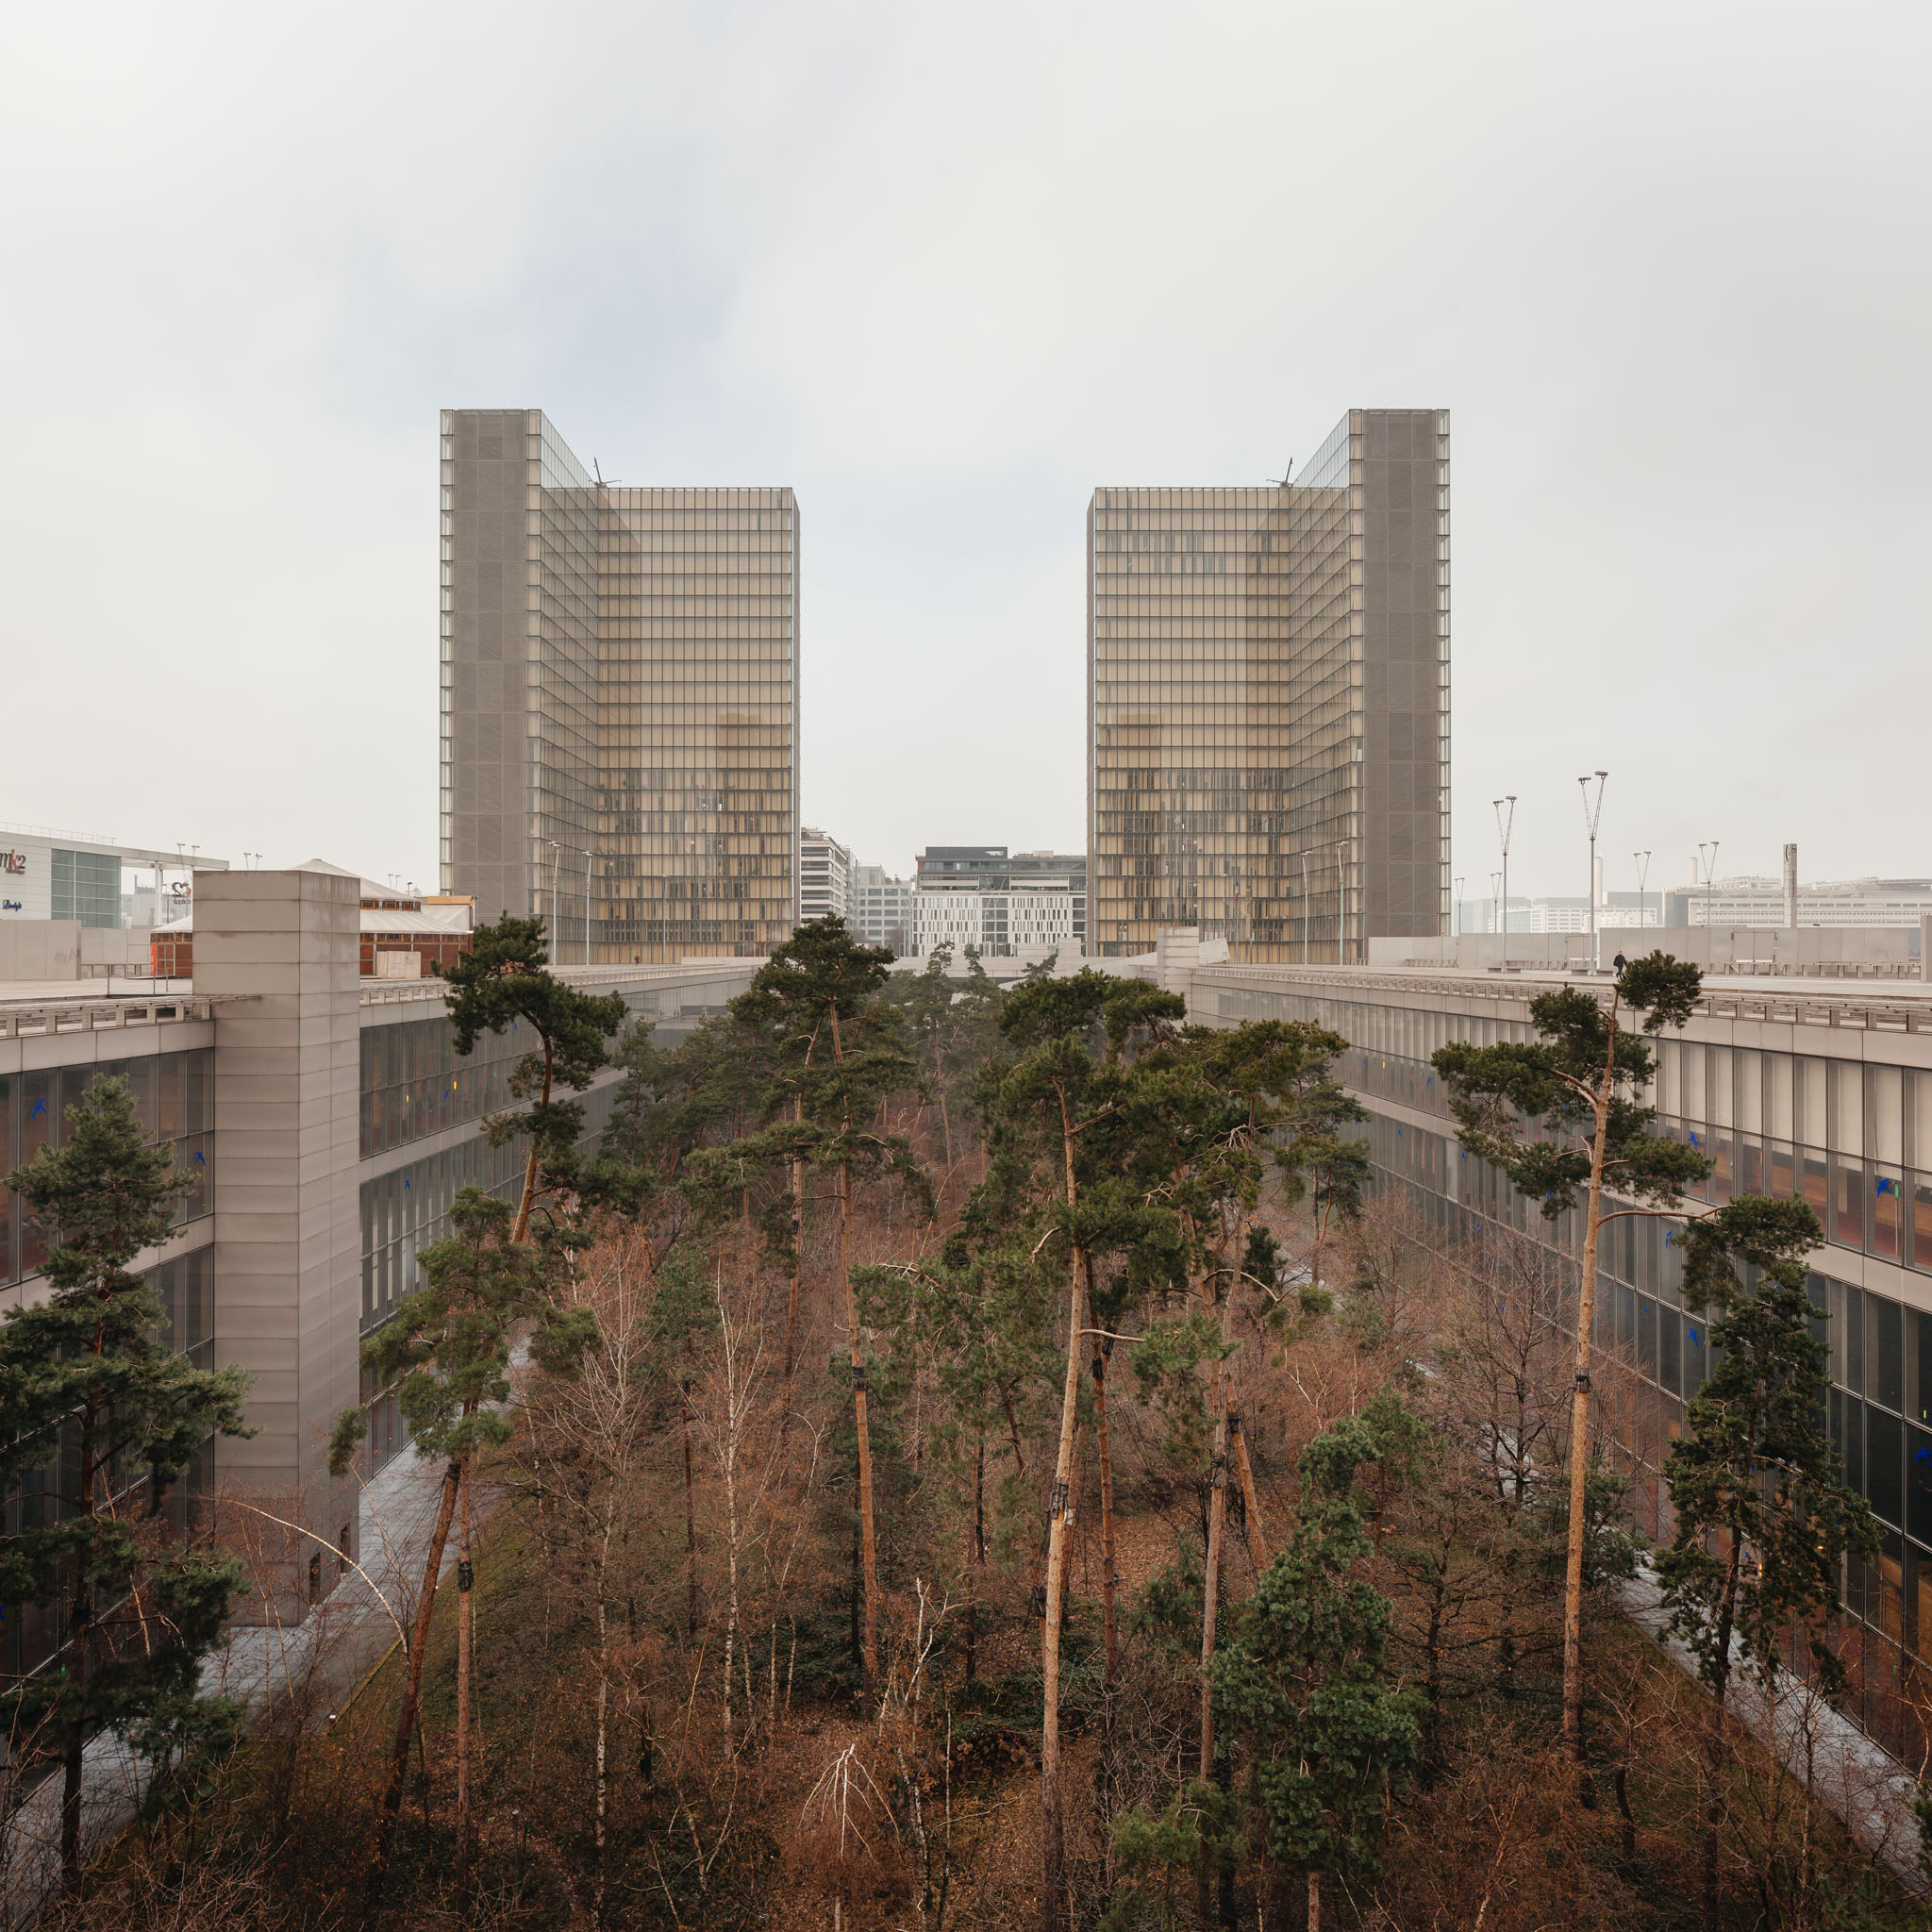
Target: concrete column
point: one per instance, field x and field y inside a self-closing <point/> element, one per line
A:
<point x="285" y="947"/>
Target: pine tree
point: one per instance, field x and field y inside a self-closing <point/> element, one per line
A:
<point x="92" y="1396"/>
<point x="1764" y="1518"/>
<point x="837" y="1050"/>
<point x="1563" y="1113"/>
<point x="503" y="981"/>
<point x="1304" y="1681"/>
<point x="1208" y="1112"/>
<point x="1050" y="1090"/>
<point x="446" y="1352"/>
<point x="952" y="1026"/>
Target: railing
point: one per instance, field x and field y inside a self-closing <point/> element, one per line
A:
<point x="32" y="1019"/>
<point x="1773" y="1005"/>
<point x="379" y="993"/>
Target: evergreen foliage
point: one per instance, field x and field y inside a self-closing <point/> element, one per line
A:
<point x="1531" y="1106"/>
<point x="1304" y="1681"/>
<point x="1764" y="1518"/>
<point x="504" y="980"/>
<point x="96" y="1405"/>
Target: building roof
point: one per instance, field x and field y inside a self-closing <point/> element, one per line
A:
<point x="385" y="910"/>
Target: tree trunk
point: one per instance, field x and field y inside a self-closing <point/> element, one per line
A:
<point x="797" y="1266"/>
<point x="1210" y="1582"/>
<point x="690" y="1530"/>
<point x="604" y="1700"/>
<point x="978" y="1558"/>
<point x="1714" y="1735"/>
<point x="1314" y="1902"/>
<point x="1251" y="1503"/>
<point x="1110" y="1575"/>
<point x="412" y="1688"/>
<point x="1217" y="1527"/>
<point x="1579" y="1424"/>
<point x="1109" y="1680"/>
<point x="868" y="1537"/>
<point x="1052" y="1888"/>
<point x="80" y="1645"/>
<point x="521" y="1229"/>
<point x="465" y="1640"/>
<point x="1109" y="1567"/>
<point x="1210" y="1591"/>
<point x="730" y="1461"/>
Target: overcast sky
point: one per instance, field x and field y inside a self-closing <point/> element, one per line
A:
<point x="943" y="270"/>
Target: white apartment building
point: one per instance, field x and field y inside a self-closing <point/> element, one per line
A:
<point x="998" y="903"/>
<point x="997" y="924"/>
<point x="825" y="876"/>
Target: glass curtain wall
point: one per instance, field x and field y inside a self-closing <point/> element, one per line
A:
<point x="1268" y="702"/>
<point x="620" y="674"/>
<point x="173" y="1098"/>
<point x="700" y="770"/>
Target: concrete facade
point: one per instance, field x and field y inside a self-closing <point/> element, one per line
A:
<point x="328" y="1124"/>
<point x="281" y="951"/>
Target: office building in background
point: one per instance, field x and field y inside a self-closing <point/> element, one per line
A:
<point x="825" y="877"/>
<point x="1268" y="702"/>
<point x="1758" y="902"/>
<point x="619" y="699"/>
<point x="882" y="908"/>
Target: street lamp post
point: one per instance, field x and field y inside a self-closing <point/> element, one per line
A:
<point x="587" y="908"/>
<point x="1305" y="908"/>
<point x="1506" y="823"/>
<point x="555" y="868"/>
<point x="1592" y="811"/>
<point x="1456" y="923"/>
<point x="1495" y="901"/>
<point x="1709" y="879"/>
<point x="1643" y="860"/>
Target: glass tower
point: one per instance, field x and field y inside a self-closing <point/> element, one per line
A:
<point x="1268" y="702"/>
<point x="620" y="710"/>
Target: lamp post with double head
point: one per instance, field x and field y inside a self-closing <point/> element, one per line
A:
<point x="1505" y="824"/>
<point x="1592" y="811"/>
<point x="1710" y="865"/>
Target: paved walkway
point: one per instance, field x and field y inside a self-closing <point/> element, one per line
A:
<point x="299" y="1666"/>
<point x="1860" y="1780"/>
